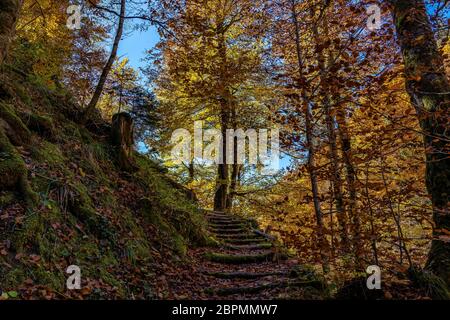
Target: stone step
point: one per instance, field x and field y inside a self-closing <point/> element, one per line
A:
<point x="257" y="246"/>
<point x="224" y="219"/>
<point x="258" y="287"/>
<point x="239" y="258"/>
<point x="227" y="231"/>
<point x="229" y="225"/>
<point x="247" y="235"/>
<point x="244" y="275"/>
<point x="244" y="241"/>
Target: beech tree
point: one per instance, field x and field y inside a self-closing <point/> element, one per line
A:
<point x="209" y="71"/>
<point x="429" y="89"/>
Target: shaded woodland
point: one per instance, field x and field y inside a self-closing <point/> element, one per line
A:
<point x="359" y="91"/>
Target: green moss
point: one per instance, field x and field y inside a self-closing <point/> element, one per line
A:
<point x="136" y="251"/>
<point x="42" y="125"/>
<point x="180" y="212"/>
<point x="12" y="166"/>
<point x="53" y="279"/>
<point x="20" y="133"/>
<point x="211" y="242"/>
<point x="238" y="259"/>
<point x="49" y="153"/>
<point x="71" y="131"/>
<point x="22" y="93"/>
<point x="86" y="135"/>
<point x="86" y="250"/>
<point x="93" y="159"/>
<point x="179" y="244"/>
<point x="13" y="170"/>
<point x="37" y="232"/>
<point x="6" y="199"/>
<point x="100" y="151"/>
<point x="13" y="278"/>
<point x="96" y="224"/>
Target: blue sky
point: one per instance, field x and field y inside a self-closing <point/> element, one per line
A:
<point x="135" y="43"/>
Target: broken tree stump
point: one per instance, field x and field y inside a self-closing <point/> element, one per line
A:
<point x="122" y="137"/>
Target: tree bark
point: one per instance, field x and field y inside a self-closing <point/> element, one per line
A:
<point x="355" y="221"/>
<point x="122" y="135"/>
<point x="234" y="178"/>
<point x="333" y="151"/>
<point x="191" y="170"/>
<point x="9" y="14"/>
<point x="429" y="90"/>
<point x="323" y="245"/>
<point x="235" y="167"/>
<point x="112" y="57"/>
<point x="221" y="196"/>
<point x="373" y="232"/>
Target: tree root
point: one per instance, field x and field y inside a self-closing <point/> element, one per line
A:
<point x="14" y="172"/>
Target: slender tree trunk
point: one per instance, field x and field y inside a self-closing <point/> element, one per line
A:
<point x="346" y="150"/>
<point x="107" y="68"/>
<point x="401" y="239"/>
<point x="323" y="245"/>
<point x="429" y="89"/>
<point x="333" y="151"/>
<point x="9" y="14"/>
<point x="221" y="196"/>
<point x="191" y="170"/>
<point x="371" y="214"/>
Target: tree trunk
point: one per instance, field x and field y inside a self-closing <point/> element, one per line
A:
<point x="122" y="138"/>
<point x="234" y="178"/>
<point x="333" y="152"/>
<point x="355" y="220"/>
<point x="429" y="90"/>
<point x="105" y="72"/>
<point x="221" y="196"/>
<point x="373" y="232"/>
<point x="9" y="14"/>
<point x="191" y="170"/>
<point x="235" y="167"/>
<point x="323" y="245"/>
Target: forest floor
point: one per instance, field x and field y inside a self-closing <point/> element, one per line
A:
<point x="245" y="264"/>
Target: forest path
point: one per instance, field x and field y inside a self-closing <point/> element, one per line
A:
<point x="246" y="264"/>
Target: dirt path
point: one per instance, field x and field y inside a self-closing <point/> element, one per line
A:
<point x="246" y="265"/>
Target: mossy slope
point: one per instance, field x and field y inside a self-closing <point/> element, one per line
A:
<point x="114" y="225"/>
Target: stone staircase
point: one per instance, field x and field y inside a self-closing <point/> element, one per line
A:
<point x="247" y="262"/>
